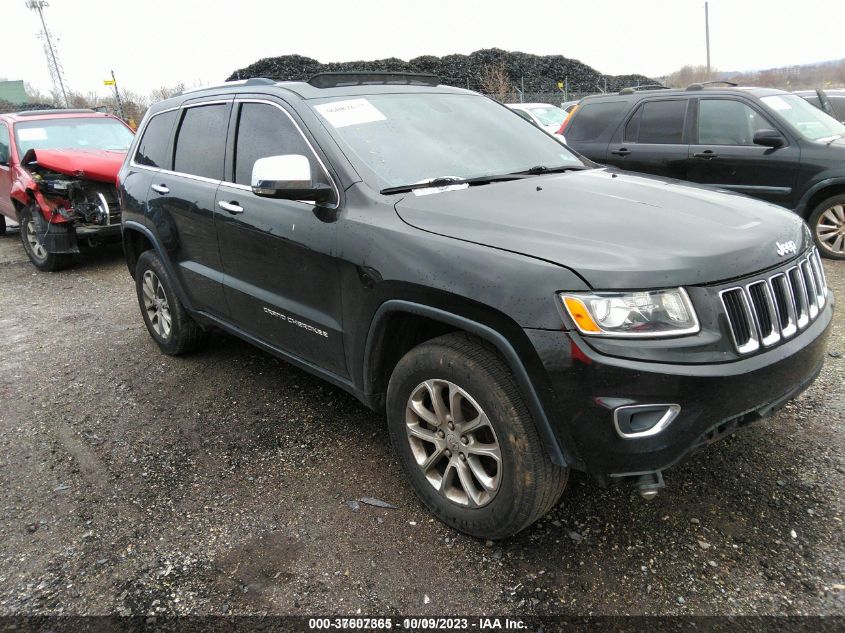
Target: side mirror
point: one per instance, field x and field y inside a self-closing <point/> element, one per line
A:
<point x="288" y="177"/>
<point x="769" y="138"/>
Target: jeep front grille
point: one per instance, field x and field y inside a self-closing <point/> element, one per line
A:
<point x="763" y="312"/>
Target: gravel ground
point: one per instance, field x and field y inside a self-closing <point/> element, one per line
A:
<point x="132" y="482"/>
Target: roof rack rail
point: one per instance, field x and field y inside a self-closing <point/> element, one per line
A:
<point x="632" y="89"/>
<point x="700" y="85"/>
<point x="337" y="79"/>
<point x="53" y="111"/>
<point x="252" y="81"/>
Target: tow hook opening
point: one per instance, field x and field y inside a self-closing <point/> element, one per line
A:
<point x="648" y="484"/>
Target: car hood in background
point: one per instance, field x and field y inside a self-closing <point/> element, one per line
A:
<point x="91" y="164"/>
<point x="617" y="230"/>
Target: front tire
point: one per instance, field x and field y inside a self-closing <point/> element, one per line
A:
<point x="167" y="321"/>
<point x="466" y="440"/>
<point x="827" y="221"/>
<point x="33" y="243"/>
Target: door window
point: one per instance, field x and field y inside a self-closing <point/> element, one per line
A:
<point x="838" y="104"/>
<point x="660" y="122"/>
<point x="201" y="141"/>
<point x="592" y="120"/>
<point x="264" y="130"/>
<point x="728" y="122"/>
<point x="152" y="148"/>
<point x="4" y="144"/>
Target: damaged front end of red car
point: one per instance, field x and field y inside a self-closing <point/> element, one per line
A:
<point x="75" y="194"/>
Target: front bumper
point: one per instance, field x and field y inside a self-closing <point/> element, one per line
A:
<point x="715" y="399"/>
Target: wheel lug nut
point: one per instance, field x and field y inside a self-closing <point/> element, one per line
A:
<point x="451" y="426"/>
<point x="464" y="439"/>
<point x="441" y="434"/>
<point x="448" y="453"/>
<point x="463" y="457"/>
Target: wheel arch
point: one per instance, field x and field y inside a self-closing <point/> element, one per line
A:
<point x="399" y="325"/>
<point x="145" y="236"/>
<point x="819" y="192"/>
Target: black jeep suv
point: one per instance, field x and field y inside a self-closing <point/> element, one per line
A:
<point x="516" y="311"/>
<point x="762" y="142"/>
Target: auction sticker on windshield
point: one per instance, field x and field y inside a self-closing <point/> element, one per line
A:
<point x="32" y="134"/>
<point x="349" y="112"/>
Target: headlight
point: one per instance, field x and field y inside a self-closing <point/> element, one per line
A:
<point x="650" y="313"/>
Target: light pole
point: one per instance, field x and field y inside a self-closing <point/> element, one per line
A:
<point x="707" y="36"/>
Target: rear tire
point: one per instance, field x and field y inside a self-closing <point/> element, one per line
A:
<point x="827" y="222"/>
<point x="33" y="245"/>
<point x="167" y="321"/>
<point x="475" y="459"/>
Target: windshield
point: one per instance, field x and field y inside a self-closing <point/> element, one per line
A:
<point x="549" y="115"/>
<point x="408" y="138"/>
<point x="811" y="122"/>
<point x="73" y="133"/>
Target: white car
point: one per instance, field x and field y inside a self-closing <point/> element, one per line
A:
<point x="544" y="115"/>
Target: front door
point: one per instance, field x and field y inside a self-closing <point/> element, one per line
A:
<point x="281" y="277"/>
<point x="723" y="153"/>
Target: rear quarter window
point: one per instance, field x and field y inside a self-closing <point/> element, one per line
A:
<point x="152" y="148"/>
<point x="592" y="120"/>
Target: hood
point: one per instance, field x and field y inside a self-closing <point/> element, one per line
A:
<point x="91" y="164"/>
<point x="616" y="230"/>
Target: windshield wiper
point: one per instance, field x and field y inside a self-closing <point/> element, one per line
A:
<point x="446" y="181"/>
<point x="543" y="169"/>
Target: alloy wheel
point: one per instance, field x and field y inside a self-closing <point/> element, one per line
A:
<point x="830" y="229"/>
<point x="453" y="443"/>
<point x="156" y="305"/>
<point x="36" y="247"/>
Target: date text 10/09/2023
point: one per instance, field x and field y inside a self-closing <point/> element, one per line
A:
<point x="417" y="624"/>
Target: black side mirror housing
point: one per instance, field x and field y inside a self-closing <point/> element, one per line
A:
<point x="769" y="138"/>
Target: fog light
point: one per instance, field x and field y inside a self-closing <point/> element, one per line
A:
<point x="643" y="420"/>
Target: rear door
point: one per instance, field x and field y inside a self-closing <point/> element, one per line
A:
<point x="6" y="207"/>
<point x="181" y="202"/>
<point x="654" y="139"/>
<point x="281" y="276"/>
<point x="723" y="152"/>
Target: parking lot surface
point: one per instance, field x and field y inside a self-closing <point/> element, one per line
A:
<point x="224" y="482"/>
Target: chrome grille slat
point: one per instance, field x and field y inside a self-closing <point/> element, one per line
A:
<point x="763" y="309"/>
<point x="769" y="309"/>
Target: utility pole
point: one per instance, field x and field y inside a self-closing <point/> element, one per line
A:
<point x="707" y="36"/>
<point x="53" y="64"/>
<point x="117" y="96"/>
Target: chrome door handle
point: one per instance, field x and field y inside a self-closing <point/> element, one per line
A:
<point x="160" y="188"/>
<point x="231" y="207"/>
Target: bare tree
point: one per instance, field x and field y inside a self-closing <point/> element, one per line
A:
<point x="496" y="83"/>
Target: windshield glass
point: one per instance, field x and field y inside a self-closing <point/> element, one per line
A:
<point x="811" y="122"/>
<point x="72" y="133"/>
<point x="408" y="138"/>
<point x="549" y="115"/>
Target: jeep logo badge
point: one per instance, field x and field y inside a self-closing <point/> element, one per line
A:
<point x="785" y="248"/>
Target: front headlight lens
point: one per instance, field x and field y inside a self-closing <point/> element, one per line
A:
<point x="649" y="313"/>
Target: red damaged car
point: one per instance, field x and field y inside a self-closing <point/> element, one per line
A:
<point x="57" y="180"/>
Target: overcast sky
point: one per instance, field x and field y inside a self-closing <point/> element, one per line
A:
<point x="150" y="43"/>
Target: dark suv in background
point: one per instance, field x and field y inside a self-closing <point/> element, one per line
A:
<point x="765" y="143"/>
<point x="515" y="311"/>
